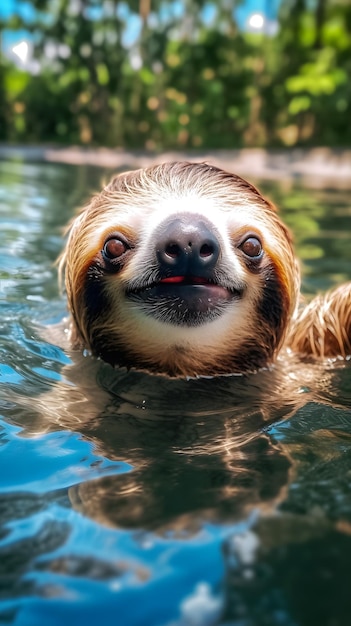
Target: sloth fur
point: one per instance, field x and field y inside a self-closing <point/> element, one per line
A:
<point x="187" y="270"/>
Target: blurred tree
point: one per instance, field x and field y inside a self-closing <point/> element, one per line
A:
<point x="315" y="48"/>
<point x="157" y="74"/>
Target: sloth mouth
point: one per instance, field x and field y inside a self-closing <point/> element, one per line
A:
<point x="184" y="300"/>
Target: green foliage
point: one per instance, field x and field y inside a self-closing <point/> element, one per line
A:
<point x="180" y="80"/>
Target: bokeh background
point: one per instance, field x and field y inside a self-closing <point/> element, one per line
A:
<point x="186" y="74"/>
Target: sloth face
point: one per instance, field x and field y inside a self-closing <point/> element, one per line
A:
<point x="181" y="269"/>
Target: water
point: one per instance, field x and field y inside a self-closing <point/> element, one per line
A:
<point x="131" y="500"/>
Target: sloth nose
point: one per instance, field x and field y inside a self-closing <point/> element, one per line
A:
<point x="187" y="246"/>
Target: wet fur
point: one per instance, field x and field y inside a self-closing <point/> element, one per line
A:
<point x="251" y="332"/>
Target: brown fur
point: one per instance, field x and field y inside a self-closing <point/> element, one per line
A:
<point x="323" y="329"/>
<point x="251" y="332"/>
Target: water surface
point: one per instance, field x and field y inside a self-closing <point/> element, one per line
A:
<point x="130" y="499"/>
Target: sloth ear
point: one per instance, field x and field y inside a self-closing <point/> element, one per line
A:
<point x="323" y="329"/>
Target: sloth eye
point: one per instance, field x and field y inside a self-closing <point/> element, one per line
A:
<point x="114" y="248"/>
<point x="252" y="247"/>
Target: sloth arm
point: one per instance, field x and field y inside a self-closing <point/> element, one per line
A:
<point x="323" y="327"/>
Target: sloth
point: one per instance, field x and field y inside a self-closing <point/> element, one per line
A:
<point x="186" y="270"/>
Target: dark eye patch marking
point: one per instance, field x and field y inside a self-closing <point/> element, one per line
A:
<point x="95" y="298"/>
<point x="274" y="306"/>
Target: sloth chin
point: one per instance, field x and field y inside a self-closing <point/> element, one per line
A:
<point x="183" y="300"/>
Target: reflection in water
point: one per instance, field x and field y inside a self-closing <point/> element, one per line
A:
<point x="185" y="454"/>
<point x="199" y="449"/>
<point x="196" y="447"/>
<point x="136" y="498"/>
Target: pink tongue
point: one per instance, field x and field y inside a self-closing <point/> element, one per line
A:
<point x="181" y="279"/>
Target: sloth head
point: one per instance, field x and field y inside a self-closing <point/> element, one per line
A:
<point x="182" y="269"/>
